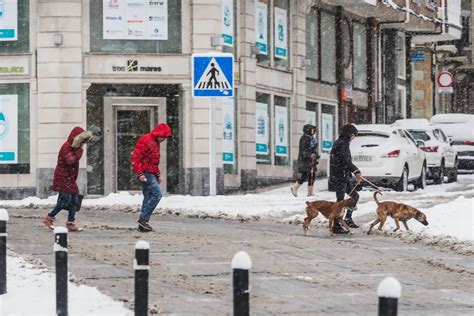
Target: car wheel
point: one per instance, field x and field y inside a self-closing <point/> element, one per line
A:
<point x="402" y="184"/>
<point x="421" y="182"/>
<point x="439" y="177"/>
<point x="453" y="174"/>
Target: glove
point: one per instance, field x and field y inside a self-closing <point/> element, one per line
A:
<point x="314" y="156"/>
<point x="81" y="139"/>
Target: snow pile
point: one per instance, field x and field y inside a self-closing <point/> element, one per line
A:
<point x="32" y="291"/>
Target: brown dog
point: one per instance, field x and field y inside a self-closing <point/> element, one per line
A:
<point x="331" y="210"/>
<point x="398" y="211"/>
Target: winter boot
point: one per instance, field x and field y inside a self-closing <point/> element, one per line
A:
<point x="349" y="221"/>
<point x="310" y="190"/>
<point x="294" y="189"/>
<point x="48" y="221"/>
<point x="72" y="227"/>
<point x="337" y="229"/>
<point x="143" y="226"/>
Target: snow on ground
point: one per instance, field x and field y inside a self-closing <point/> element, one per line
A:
<point x="453" y="216"/>
<point x="32" y="291"/>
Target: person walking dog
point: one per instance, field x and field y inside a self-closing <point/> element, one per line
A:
<point x="65" y="177"/>
<point x="307" y="160"/>
<point x="341" y="169"/>
<point x="145" y="160"/>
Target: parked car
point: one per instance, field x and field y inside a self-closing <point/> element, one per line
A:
<point x="460" y="130"/>
<point x="388" y="156"/>
<point x="441" y="157"/>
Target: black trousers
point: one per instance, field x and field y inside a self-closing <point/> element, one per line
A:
<point x="342" y="188"/>
<point x="309" y="175"/>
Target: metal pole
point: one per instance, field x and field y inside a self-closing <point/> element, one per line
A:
<point x="3" y="251"/>
<point x="241" y="265"/>
<point x="389" y="291"/>
<point x="212" y="149"/>
<point x="141" y="265"/>
<point x="60" y="249"/>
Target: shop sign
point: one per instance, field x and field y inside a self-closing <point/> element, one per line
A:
<point x="262" y="128"/>
<point x="9" y="20"/>
<point x="228" y="131"/>
<point x="133" y="66"/>
<point x="281" y="131"/>
<point x="8" y="128"/>
<point x="261" y="30"/>
<point x="12" y="70"/>
<point x="417" y="56"/>
<point x="228" y="22"/>
<point x="281" y="33"/>
<point x="346" y="93"/>
<point x="135" y="19"/>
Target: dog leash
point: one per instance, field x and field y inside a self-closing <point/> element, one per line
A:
<point x="375" y="187"/>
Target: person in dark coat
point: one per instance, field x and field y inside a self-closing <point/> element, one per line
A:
<point x="65" y="177"/>
<point x="341" y="169"/>
<point x="145" y="160"/>
<point x="307" y="160"/>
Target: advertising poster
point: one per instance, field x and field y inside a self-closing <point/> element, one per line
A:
<point x="228" y="22"/>
<point x="135" y="19"/>
<point x="262" y="128"/>
<point x="281" y="34"/>
<point x="327" y="132"/>
<point x="8" y="20"/>
<point x="8" y="128"/>
<point x="281" y="131"/>
<point x="311" y="118"/>
<point x="228" y="131"/>
<point x="261" y="29"/>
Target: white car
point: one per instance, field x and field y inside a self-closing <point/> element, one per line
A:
<point x="388" y="156"/>
<point x="441" y="157"/>
<point x="460" y="130"/>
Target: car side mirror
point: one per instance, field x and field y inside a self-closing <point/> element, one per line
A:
<point x="419" y="143"/>
<point x="450" y="141"/>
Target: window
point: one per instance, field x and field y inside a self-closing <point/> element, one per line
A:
<point x="15" y="128"/>
<point x="22" y="42"/>
<point x="328" y="48"/>
<point x="230" y="39"/>
<point x="328" y="127"/>
<point x="360" y="56"/>
<point x="400" y="51"/>
<point x="312" y="117"/>
<point x="272" y="20"/>
<point x="121" y="42"/>
<point x="281" y="133"/>
<point x="312" y="45"/>
<point x="262" y="130"/>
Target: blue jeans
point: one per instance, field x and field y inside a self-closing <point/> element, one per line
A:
<point x="152" y="196"/>
<point x="66" y="201"/>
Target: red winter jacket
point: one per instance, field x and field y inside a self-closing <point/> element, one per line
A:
<point x="67" y="168"/>
<point x="146" y="155"/>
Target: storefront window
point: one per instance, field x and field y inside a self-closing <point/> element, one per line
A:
<point x="328" y="127"/>
<point x="112" y="31"/>
<point x="312" y="117"/>
<point x="229" y="26"/>
<point x="312" y="45"/>
<point x="229" y="135"/>
<point x="262" y="129"/>
<point x="15" y="35"/>
<point x="328" y="48"/>
<point x="14" y="128"/>
<point x="360" y="56"/>
<point x="281" y="132"/>
<point x="401" y="60"/>
<point x="262" y="25"/>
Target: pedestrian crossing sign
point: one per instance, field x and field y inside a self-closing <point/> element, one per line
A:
<point x="213" y="75"/>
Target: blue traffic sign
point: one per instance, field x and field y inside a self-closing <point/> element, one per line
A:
<point x="213" y="75"/>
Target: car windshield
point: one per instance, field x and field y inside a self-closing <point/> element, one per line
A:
<point x="419" y="135"/>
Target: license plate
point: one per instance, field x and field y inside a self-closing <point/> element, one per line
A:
<point x="362" y="158"/>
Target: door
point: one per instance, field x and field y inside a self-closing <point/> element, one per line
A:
<point x="126" y="119"/>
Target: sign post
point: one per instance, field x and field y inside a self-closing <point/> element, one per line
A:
<point x="213" y="77"/>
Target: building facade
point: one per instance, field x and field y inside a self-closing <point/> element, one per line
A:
<point x="120" y="67"/>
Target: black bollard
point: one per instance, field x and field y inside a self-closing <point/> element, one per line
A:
<point x="142" y="268"/>
<point x="241" y="265"/>
<point x="60" y="250"/>
<point x="389" y="291"/>
<point x="3" y="250"/>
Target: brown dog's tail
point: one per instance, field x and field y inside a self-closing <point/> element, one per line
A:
<point x="375" y="196"/>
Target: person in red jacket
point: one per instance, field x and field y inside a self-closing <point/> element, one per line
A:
<point x="65" y="177"/>
<point x="145" y="160"/>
